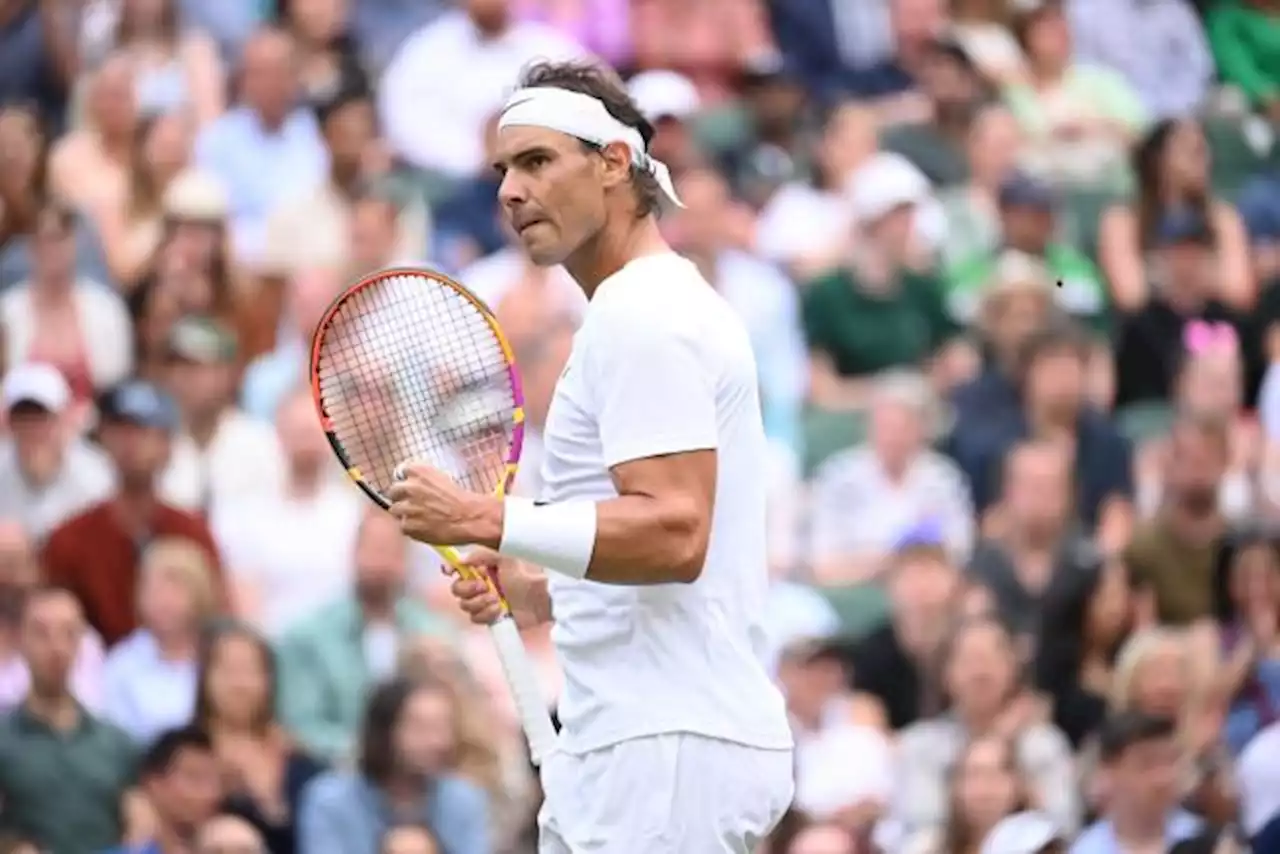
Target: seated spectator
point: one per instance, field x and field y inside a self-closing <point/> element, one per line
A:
<point x="1028" y="226"/>
<point x="863" y="499"/>
<point x="329" y="661"/>
<point x="806" y="225"/>
<point x="19" y="578"/>
<point x="1247" y="607"/>
<point x="1243" y="35"/>
<point x="708" y="44"/>
<point x="131" y="223"/>
<point x="772" y="147"/>
<point x="24" y="196"/>
<point x="979" y="670"/>
<point x="289" y="549"/>
<point x="875" y="312"/>
<point x="669" y="101"/>
<point x="46" y="316"/>
<point x="47" y="473"/>
<point x="64" y="773"/>
<point x="406" y="740"/>
<point x="1141" y="759"/>
<point x="1081" y="117"/>
<point x="1172" y="555"/>
<point x="263" y="134"/>
<point x="1034" y="537"/>
<point x="893" y="664"/>
<point x="95" y="554"/>
<point x="150" y="676"/>
<point x="91" y="164"/>
<point x="467" y="225"/>
<point x="375" y="237"/>
<point x="177" y="66"/>
<point x="1158" y="47"/>
<point x="1258" y="774"/>
<point x="409" y="839"/>
<point x="1173" y="173"/>
<point x="327" y="57"/>
<point x="1085" y="618"/>
<point x="228" y="834"/>
<point x="992" y="149"/>
<point x="221" y="454"/>
<point x="179" y="777"/>
<point x="263" y="771"/>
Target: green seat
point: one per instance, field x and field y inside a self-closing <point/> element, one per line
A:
<point x="1142" y="422"/>
<point x="862" y="608"/>
<point x="826" y="432"/>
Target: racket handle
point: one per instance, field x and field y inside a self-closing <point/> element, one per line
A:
<point x="534" y="717"/>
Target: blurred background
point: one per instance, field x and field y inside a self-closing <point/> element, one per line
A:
<point x="1010" y="268"/>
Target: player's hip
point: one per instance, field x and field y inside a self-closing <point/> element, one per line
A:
<point x="665" y="794"/>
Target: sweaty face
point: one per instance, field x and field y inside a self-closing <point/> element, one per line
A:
<point x="552" y="192"/>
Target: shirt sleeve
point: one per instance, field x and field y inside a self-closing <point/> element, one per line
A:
<point x="654" y="388"/>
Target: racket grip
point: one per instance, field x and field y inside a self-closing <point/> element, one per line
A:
<point x="534" y="716"/>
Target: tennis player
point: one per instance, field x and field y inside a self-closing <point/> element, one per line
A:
<point x="652" y="518"/>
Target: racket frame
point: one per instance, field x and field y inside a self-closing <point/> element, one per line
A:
<point x="539" y="730"/>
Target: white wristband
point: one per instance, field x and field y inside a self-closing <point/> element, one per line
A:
<point x="559" y="537"/>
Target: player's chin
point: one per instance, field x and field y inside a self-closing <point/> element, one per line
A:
<point x="543" y="252"/>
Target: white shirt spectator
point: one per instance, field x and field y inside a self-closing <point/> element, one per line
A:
<point x="842" y="765"/>
<point x="85" y="478"/>
<point x="1258" y="777"/>
<point x="143" y="693"/>
<point x="857" y="510"/>
<point x="801" y="220"/>
<point x="450" y="75"/>
<point x="243" y="459"/>
<point x="1158" y="46"/>
<point x="105" y="328"/>
<point x="295" y="554"/>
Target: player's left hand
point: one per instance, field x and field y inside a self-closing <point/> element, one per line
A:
<point x="433" y="509"/>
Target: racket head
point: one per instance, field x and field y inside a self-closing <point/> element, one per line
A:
<point x="408" y="364"/>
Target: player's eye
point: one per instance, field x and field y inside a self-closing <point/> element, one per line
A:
<point x="536" y="162"/>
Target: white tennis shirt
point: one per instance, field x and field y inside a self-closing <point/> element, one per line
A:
<point x="663" y="365"/>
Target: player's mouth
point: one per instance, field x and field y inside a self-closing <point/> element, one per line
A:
<point x="528" y="224"/>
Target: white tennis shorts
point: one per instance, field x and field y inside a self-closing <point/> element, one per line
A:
<point x="664" y="794"/>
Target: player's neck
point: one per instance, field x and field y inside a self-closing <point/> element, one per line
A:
<point x="612" y="249"/>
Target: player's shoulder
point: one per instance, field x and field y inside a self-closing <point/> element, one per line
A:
<point x="654" y="293"/>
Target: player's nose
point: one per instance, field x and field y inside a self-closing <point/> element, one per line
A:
<point x="511" y="192"/>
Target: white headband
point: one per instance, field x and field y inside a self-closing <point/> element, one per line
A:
<point x="586" y="118"/>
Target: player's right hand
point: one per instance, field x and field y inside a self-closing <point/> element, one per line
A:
<point x="480" y="601"/>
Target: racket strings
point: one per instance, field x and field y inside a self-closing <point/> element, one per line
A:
<point x="411" y="369"/>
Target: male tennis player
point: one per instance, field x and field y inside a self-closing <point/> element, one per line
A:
<point x="652" y="518"/>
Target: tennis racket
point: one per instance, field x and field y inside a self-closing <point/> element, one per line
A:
<point x="407" y="364"/>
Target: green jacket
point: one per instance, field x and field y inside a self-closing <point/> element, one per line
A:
<point x="1083" y="293"/>
<point x="1246" y="46"/>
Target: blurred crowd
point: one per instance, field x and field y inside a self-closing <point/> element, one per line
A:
<point x="1010" y="269"/>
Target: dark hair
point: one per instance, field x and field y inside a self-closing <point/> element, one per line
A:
<point x="168" y="23"/>
<point x="1256" y="534"/>
<point x="159" y="757"/>
<point x="957" y="834"/>
<point x="349" y="91"/>
<point x="1127" y="729"/>
<point x="216" y="635"/>
<point x="1059" y="335"/>
<point x="381" y="716"/>
<point x="1147" y="162"/>
<point x="602" y="84"/>
<point x="959" y="629"/>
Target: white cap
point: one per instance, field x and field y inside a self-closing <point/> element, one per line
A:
<point x="664" y="94"/>
<point x="885" y="182"/>
<point x="1021" y="833"/>
<point x="197" y="196"/>
<point x="39" y="383"/>
<point x="1258" y="779"/>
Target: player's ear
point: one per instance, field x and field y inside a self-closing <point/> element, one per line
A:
<point x="616" y="157"/>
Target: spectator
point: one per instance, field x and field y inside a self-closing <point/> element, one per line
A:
<point x="221" y="455"/>
<point x="452" y="73"/>
<point x="265" y="133"/>
<point x="329" y="661"/>
<point x="92" y="163"/>
<point x="131" y="222"/>
<point x="863" y="499"/>
<point x="407" y="736"/>
<point x="19" y="579"/>
<point x="1159" y="48"/>
<point x="710" y="43"/>
<point x="894" y="663"/>
<point x="289" y="548"/>
<point x="45" y="316"/>
<point x="670" y="102"/>
<point x="375" y="237"/>
<point x="1172" y="556"/>
<point x="979" y="673"/>
<point x="47" y="474"/>
<point x="1082" y="117"/>
<point x="1028" y="226"/>
<point x="1260" y="788"/>
<point x="772" y="147"/>
<point x="313" y="230"/>
<point x="38" y="52"/>
<point x="95" y="554"/>
<point x="176" y="68"/>
<point x="179" y="777"/>
<point x="263" y="771"/>
<point x="1244" y="35"/>
<point x="63" y="771"/>
<point x="327" y="57"/>
<point x="409" y="839"/>
<point x="1036" y="538"/>
<point x="1247" y="607"/>
<point x="229" y="834"/>
<point x="1140" y="755"/>
<point x="150" y="676"/>
<point x="1086" y="616"/>
<point x="1172" y="167"/>
<point x="24" y="194"/>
